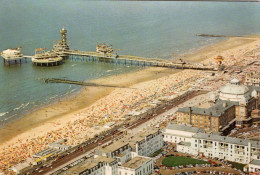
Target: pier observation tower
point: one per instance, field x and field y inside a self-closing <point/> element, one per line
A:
<point x="61" y="46"/>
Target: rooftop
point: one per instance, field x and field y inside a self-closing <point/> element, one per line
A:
<point x="234" y="87"/>
<point x="226" y="139"/>
<point x="216" y="110"/>
<point x="183" y="128"/>
<point x="148" y="132"/>
<point x="115" y="146"/>
<point x="104" y="159"/>
<point x="136" y="162"/>
<point x="255" y="162"/>
<point x="79" y="169"/>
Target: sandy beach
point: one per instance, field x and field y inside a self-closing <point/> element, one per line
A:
<point x="82" y="116"/>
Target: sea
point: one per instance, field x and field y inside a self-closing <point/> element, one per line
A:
<point x="156" y="29"/>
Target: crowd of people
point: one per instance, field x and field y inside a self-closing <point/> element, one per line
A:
<point x="112" y="108"/>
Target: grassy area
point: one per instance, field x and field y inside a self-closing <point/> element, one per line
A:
<point x="177" y="160"/>
<point x="238" y="166"/>
<point x="157" y="153"/>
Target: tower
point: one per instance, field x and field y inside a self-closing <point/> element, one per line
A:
<point x="61" y="46"/>
<point x="63" y="33"/>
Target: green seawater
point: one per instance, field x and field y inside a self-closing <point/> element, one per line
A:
<point x="150" y="29"/>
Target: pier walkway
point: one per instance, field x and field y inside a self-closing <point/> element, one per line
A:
<point x="134" y="60"/>
<point x="81" y="83"/>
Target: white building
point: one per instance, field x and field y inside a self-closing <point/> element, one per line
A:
<point x="99" y="165"/>
<point x="253" y="79"/>
<point x="137" y="166"/>
<point x="119" y="150"/>
<point x="177" y="133"/>
<point x="190" y="140"/>
<point x="147" y="142"/>
<point x="253" y="167"/>
<point x="228" y="148"/>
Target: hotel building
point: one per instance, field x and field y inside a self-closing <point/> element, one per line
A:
<point x="213" y="145"/>
<point x="137" y="166"/>
<point x="235" y="104"/>
<point x="147" y="142"/>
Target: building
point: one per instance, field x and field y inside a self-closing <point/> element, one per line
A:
<point x="137" y="166"/>
<point x="255" y="114"/>
<point x="222" y="147"/>
<point x="190" y="140"/>
<point x="174" y="133"/>
<point x="253" y="167"/>
<point x="119" y="150"/>
<point x="253" y="79"/>
<point x="98" y="165"/>
<point x="59" y="146"/>
<point x="147" y="142"/>
<point x="235" y="104"/>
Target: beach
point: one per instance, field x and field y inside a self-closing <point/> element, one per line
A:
<point x="83" y="115"/>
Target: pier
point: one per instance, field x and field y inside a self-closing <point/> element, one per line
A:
<point x="81" y="83"/>
<point x="90" y="56"/>
<point x="104" y="53"/>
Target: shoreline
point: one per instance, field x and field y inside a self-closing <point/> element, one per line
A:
<point x="60" y="107"/>
<point x="28" y="122"/>
<point x="79" y="119"/>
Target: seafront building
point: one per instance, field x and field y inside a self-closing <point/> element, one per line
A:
<point x="147" y="142"/>
<point x="233" y="106"/>
<point x="213" y="145"/>
<point x="123" y="157"/>
<point x="119" y="150"/>
<point x="174" y="133"/>
<point x="98" y="165"/>
<point x="137" y="166"/>
<point x="256" y="117"/>
<point x="253" y="79"/>
<point x="253" y="167"/>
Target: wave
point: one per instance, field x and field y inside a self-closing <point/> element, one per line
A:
<point x="21" y="106"/>
<point x="53" y="97"/>
<point x="3" y="113"/>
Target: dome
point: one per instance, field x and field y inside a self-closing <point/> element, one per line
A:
<point x="234" y="87"/>
<point x="235" y="81"/>
<point x="233" y="91"/>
